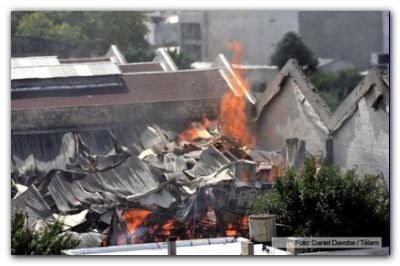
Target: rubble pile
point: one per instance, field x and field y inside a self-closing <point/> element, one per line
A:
<point x="137" y="184"/>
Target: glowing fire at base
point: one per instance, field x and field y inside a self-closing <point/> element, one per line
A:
<point x="143" y="227"/>
<point x="233" y="125"/>
<point x="195" y="131"/>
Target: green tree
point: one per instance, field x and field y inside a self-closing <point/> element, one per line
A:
<point x="47" y="241"/>
<point x="94" y="30"/>
<point x="50" y="25"/>
<point x="327" y="203"/>
<point x="334" y="87"/>
<point x="292" y="46"/>
<point x="182" y="60"/>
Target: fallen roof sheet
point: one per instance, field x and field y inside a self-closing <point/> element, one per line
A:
<point x="84" y="175"/>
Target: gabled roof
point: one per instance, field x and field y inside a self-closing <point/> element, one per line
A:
<point x="307" y="93"/>
<point x="376" y="80"/>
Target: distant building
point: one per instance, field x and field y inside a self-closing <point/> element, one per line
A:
<point x="344" y="35"/>
<point x="164" y="28"/>
<point x="206" y="33"/>
<point x="334" y="65"/>
<point x="348" y="35"/>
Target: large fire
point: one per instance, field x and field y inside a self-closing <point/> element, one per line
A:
<point x="195" y="131"/>
<point x="233" y="120"/>
<point x="145" y="226"/>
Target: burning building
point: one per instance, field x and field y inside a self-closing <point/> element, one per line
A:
<point x="132" y="153"/>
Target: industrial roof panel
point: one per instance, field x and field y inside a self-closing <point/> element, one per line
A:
<point x="142" y="87"/>
<point x="67" y="70"/>
<point x="34" y="61"/>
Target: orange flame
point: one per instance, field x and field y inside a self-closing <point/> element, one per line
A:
<point x="134" y="219"/>
<point x="192" y="133"/>
<point x="230" y="230"/>
<point x="205" y="122"/>
<point x="232" y="116"/>
<point x="168" y="227"/>
<point x="245" y="177"/>
<point x="142" y="229"/>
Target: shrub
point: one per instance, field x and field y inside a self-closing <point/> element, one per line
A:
<point x="47" y="241"/>
<point x="327" y="203"/>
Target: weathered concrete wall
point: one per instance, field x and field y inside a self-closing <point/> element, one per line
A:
<point x="363" y="140"/>
<point x="386" y="33"/>
<point x="349" y="35"/>
<point x="257" y="31"/>
<point x="166" y="34"/>
<point x="92" y="116"/>
<point x="284" y="117"/>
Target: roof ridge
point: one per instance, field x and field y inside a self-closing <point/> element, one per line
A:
<point x="347" y="108"/>
<point x="293" y="70"/>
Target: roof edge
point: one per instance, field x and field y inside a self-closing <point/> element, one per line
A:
<point x="374" y="80"/>
<point x="294" y="71"/>
<point x="231" y="77"/>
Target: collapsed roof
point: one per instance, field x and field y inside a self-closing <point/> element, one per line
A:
<point x="79" y="156"/>
<point x="90" y="157"/>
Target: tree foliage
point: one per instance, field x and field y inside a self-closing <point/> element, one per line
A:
<point x="335" y="86"/>
<point x="182" y="60"/>
<point x="94" y="30"/>
<point x="292" y="46"/>
<point x="47" y="241"/>
<point x="327" y="203"/>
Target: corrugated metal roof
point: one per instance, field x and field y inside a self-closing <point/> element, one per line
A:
<point x="34" y="61"/>
<point x="142" y="87"/>
<point x="68" y="70"/>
